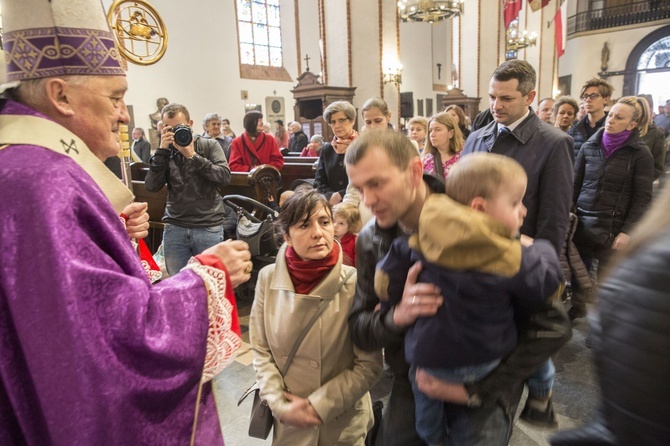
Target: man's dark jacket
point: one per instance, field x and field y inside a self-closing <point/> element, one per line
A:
<point x="546" y="155"/>
<point x="298" y="142"/>
<point x="193" y="199"/>
<point x="372" y="330"/>
<point x="631" y="339"/>
<point x="579" y="133"/>
<point x="142" y="148"/>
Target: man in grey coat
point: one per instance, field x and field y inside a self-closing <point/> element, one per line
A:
<point x="545" y="154"/>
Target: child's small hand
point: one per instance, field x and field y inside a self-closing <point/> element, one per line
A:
<point x="526" y="241"/>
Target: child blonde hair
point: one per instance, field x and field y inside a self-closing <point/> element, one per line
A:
<point x="481" y="175"/>
<point x="350" y="214"/>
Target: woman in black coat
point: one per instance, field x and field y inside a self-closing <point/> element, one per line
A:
<point x="614" y="172"/>
<point x="631" y="341"/>
<point x="331" y="176"/>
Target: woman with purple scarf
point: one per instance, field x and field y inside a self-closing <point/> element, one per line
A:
<point x="614" y="171"/>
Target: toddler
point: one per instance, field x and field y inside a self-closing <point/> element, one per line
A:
<point x="467" y="242"/>
<point x="347" y="221"/>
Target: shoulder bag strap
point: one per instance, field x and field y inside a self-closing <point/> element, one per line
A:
<point x="322" y="307"/>
<point x="303" y="333"/>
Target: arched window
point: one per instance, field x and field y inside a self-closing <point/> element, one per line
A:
<point x="648" y="66"/>
<point x="657" y="55"/>
<point x="259" y="28"/>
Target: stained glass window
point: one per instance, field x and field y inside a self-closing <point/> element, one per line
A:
<point x="260" y="32"/>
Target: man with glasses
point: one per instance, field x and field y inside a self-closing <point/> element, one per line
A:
<point x="596" y="94"/>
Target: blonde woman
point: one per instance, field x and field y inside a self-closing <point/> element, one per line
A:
<point x="444" y="145"/>
<point x="614" y="172"/>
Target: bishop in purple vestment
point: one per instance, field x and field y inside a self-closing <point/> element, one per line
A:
<point x="91" y="353"/>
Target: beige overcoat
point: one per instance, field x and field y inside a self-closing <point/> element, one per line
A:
<point x="327" y="369"/>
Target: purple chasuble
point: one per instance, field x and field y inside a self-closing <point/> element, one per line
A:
<point x="90" y="352"/>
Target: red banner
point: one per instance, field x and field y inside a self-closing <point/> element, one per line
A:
<point x="511" y="11"/>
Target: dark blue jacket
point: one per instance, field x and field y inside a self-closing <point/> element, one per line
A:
<point x="476" y="323"/>
<point x="546" y="155"/>
<point x="580" y="134"/>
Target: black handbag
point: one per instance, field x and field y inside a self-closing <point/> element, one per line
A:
<point x="260" y="423"/>
<point x="595" y="228"/>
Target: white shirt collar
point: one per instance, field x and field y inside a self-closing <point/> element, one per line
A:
<point x="516" y="123"/>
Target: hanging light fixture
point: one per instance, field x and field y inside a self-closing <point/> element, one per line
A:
<point x="516" y="41"/>
<point x="429" y="10"/>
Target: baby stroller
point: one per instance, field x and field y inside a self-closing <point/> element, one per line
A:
<point x="255" y="225"/>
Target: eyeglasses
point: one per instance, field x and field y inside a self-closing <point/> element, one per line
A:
<point x="338" y="121"/>
<point x="592" y="96"/>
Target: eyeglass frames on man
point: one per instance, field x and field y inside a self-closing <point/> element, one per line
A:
<point x="592" y="96"/>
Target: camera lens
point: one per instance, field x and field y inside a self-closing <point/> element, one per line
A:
<point x="183" y="135"/>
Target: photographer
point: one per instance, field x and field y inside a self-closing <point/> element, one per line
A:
<point x="194" y="170"/>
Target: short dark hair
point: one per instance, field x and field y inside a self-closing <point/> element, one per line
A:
<point x="397" y="147"/>
<point x="300" y="207"/>
<point x="172" y="110"/>
<point x="520" y="70"/>
<point x="250" y="121"/>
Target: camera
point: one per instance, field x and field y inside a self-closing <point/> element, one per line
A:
<point x="183" y="135"/>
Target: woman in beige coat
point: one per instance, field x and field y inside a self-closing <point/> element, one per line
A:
<point x="323" y="399"/>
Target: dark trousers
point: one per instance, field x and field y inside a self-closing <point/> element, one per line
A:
<point x="398" y="422"/>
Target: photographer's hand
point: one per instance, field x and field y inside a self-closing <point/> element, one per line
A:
<point x="187" y="151"/>
<point x="167" y="137"/>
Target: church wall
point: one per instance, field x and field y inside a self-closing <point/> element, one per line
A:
<point x="470" y="52"/>
<point x="309" y="35"/>
<point x="336" y="43"/>
<point x="415" y="56"/>
<point x="582" y="58"/>
<point x="365" y="49"/>
<point x="200" y="68"/>
<point x="390" y="56"/>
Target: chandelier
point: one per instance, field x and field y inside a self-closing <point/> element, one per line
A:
<point x="429" y="10"/>
<point x="516" y="41"/>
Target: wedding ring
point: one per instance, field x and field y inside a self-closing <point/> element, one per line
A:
<point x="414" y="300"/>
<point x="249" y="267"/>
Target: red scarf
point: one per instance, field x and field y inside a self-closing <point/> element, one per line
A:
<point x="306" y="274"/>
<point x="341" y="145"/>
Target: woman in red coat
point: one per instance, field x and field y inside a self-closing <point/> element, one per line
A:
<point x="254" y="147"/>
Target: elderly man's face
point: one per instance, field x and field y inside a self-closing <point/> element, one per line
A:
<point x="99" y="108"/>
<point x="213" y="127"/>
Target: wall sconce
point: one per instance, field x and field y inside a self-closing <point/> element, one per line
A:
<point x="393" y="75"/>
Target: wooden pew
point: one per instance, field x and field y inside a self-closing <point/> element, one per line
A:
<point x="296" y="171"/>
<point x="260" y="183"/>
<point x="138" y="171"/>
<point x="301" y="159"/>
